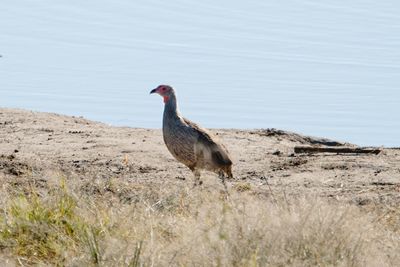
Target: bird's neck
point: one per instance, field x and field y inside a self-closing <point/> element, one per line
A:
<point x="171" y="108"/>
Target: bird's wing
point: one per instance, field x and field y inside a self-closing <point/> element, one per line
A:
<point x="219" y="152"/>
<point x="204" y="135"/>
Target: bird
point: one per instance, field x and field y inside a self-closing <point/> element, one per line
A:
<point x="191" y="144"/>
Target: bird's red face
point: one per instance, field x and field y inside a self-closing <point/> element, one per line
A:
<point x="164" y="91"/>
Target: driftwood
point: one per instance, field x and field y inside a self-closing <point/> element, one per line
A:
<point x="355" y="150"/>
<point x="295" y="137"/>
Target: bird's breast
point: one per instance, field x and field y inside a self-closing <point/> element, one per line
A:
<point x="179" y="141"/>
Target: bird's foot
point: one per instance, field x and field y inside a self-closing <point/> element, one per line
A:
<point x="197" y="183"/>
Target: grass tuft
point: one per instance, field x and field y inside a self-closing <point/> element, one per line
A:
<point x="39" y="229"/>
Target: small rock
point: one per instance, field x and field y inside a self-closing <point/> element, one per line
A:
<point x="276" y="152"/>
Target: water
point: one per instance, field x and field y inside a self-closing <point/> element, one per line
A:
<point x="325" y="68"/>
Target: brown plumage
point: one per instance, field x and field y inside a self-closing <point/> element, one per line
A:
<point x="189" y="143"/>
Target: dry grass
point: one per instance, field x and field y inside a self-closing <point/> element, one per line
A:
<point x="115" y="223"/>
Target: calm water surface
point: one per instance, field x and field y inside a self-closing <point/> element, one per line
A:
<point x="326" y="68"/>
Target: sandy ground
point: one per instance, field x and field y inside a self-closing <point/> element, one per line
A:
<point x="40" y="147"/>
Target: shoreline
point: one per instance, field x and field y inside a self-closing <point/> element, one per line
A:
<point x="343" y="140"/>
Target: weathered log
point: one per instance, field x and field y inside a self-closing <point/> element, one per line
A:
<point x="355" y="150"/>
<point x="295" y="137"/>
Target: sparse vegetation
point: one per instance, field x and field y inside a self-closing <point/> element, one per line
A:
<point x="181" y="226"/>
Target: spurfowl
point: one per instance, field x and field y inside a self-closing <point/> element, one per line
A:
<point x="191" y="144"/>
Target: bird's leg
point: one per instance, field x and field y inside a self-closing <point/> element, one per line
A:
<point x="229" y="172"/>
<point x="221" y="176"/>
<point x="197" y="181"/>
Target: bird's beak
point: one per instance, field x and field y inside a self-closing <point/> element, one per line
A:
<point x="153" y="91"/>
